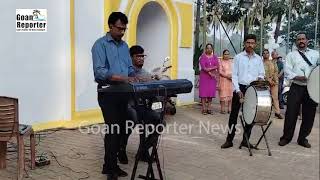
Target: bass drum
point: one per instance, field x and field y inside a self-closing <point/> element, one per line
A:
<point x="313" y="85"/>
<point x="257" y="105"/>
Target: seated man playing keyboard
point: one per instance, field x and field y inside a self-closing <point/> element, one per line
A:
<point x="137" y="113"/>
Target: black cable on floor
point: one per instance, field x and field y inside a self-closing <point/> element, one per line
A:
<point x="77" y="172"/>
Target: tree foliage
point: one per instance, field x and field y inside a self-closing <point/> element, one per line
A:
<point x="305" y="21"/>
<point x="303" y="18"/>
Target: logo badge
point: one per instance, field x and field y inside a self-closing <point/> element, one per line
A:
<point x="31" y="20"/>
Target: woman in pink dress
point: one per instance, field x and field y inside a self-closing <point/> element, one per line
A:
<point x="208" y="78"/>
<point x="226" y="88"/>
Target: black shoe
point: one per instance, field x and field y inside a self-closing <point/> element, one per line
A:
<point x="122" y="156"/>
<point x="112" y="177"/>
<point x="226" y="145"/>
<point x="121" y="173"/>
<point x="245" y="144"/>
<point x="118" y="173"/>
<point x="279" y="116"/>
<point x="105" y="171"/>
<point x="283" y="142"/>
<point x="304" y="143"/>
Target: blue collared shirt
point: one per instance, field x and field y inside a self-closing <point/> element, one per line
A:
<point x="110" y="58"/>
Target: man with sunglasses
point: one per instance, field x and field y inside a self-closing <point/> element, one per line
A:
<point x="112" y="65"/>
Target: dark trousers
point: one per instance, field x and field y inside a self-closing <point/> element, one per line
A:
<point x="298" y="95"/>
<point x="233" y="118"/>
<point x="133" y="117"/>
<point x="114" y="110"/>
<point x="280" y="88"/>
<point x="138" y="115"/>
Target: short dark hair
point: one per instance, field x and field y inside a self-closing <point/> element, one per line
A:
<point x="115" y="16"/>
<point x="136" y="50"/>
<point x="209" y="44"/>
<point x="225" y="51"/>
<point x="264" y="50"/>
<point x="302" y="32"/>
<point x="250" y="36"/>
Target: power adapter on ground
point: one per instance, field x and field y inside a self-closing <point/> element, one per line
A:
<point x="42" y="161"/>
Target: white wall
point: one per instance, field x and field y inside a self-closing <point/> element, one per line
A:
<point x="35" y="66"/>
<point x="185" y="63"/>
<point x="89" y="22"/>
<point x="185" y="71"/>
<point x="7" y="44"/>
<point x="153" y="34"/>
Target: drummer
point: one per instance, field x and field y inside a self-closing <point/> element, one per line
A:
<point x="247" y="67"/>
<point x="298" y="66"/>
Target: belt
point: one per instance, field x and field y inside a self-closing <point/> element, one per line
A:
<point x="243" y="86"/>
<point x="109" y="83"/>
<point x="299" y="83"/>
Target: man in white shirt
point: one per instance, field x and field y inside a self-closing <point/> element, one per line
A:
<point x="298" y="69"/>
<point x="247" y="67"/>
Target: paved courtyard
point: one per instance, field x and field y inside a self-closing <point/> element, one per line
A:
<point x="194" y="155"/>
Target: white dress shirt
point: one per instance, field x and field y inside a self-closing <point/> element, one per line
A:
<point x="246" y="69"/>
<point x="295" y="65"/>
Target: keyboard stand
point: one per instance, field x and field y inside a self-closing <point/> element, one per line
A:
<point x="145" y="145"/>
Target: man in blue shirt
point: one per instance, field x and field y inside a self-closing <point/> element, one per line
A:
<point x="112" y="65"/>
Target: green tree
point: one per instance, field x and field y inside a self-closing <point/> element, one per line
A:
<point x="197" y="27"/>
<point x="308" y="24"/>
<point x="256" y="31"/>
<point x="305" y="21"/>
<point x="278" y="9"/>
<point x="196" y="55"/>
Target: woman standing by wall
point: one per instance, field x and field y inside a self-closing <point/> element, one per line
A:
<point x="208" y="78"/>
<point x="226" y="89"/>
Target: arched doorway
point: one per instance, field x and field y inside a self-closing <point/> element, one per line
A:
<point x="134" y="9"/>
<point x="153" y="34"/>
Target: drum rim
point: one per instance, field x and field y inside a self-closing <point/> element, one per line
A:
<point x="308" y="86"/>
<point x="255" y="114"/>
<point x="270" y="112"/>
<point x="313" y="69"/>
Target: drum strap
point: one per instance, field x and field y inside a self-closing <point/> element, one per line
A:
<point x="305" y="58"/>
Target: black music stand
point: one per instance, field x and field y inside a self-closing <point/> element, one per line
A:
<point x="145" y="145"/>
<point x="262" y="136"/>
